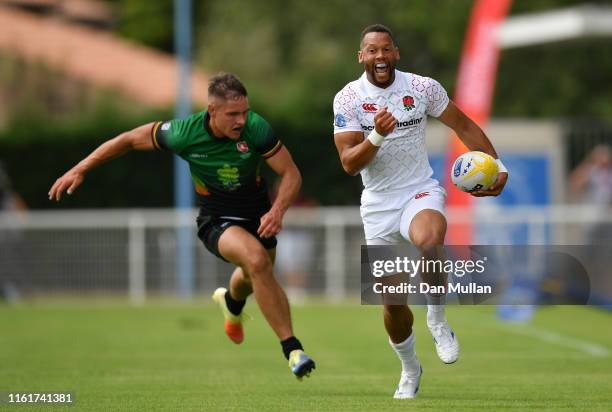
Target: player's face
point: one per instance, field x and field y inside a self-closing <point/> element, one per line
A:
<point x="379" y="55"/>
<point x="228" y="117"/>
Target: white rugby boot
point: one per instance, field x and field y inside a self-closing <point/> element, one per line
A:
<point x="447" y="345"/>
<point x="408" y="386"/>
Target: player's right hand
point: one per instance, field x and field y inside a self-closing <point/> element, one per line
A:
<point x="68" y="182"/>
<point x="495" y="189"/>
<point x="384" y="122"/>
<point x="271" y="223"/>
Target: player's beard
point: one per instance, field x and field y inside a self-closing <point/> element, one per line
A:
<point x="384" y="79"/>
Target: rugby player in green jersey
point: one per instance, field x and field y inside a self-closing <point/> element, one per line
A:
<point x="225" y="146"/>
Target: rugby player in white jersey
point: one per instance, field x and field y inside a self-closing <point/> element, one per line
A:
<point x="379" y="131"/>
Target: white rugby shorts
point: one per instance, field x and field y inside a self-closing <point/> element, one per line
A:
<point x="387" y="215"/>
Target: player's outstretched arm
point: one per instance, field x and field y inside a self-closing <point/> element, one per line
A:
<point x="291" y="181"/>
<point x="355" y="151"/>
<point x="475" y="139"/>
<point x="136" y="139"/>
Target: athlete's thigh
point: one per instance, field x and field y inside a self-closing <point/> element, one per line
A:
<point x="237" y="245"/>
<point x="424" y="215"/>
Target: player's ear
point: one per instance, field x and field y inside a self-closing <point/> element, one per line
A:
<point x="397" y="53"/>
<point x="211" y="108"/>
<point x="360" y="57"/>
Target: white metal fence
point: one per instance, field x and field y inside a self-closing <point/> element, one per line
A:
<point x="133" y="252"/>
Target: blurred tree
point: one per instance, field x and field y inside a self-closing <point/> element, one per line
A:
<point x="150" y="22"/>
<point x="147" y="22"/>
<point x="568" y="79"/>
<point x="52" y="121"/>
<point x="36" y="152"/>
<point x="294" y="56"/>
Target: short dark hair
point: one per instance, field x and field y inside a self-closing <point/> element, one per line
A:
<point x="376" y="28"/>
<point x="226" y="86"/>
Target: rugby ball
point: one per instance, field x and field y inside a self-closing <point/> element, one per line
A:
<point x="474" y="171"/>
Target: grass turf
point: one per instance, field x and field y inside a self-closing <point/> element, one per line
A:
<point x="175" y="356"/>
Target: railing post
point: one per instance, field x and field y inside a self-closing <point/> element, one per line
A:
<point x="136" y="258"/>
<point x="335" y="264"/>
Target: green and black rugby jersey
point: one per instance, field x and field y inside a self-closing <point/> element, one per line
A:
<point x="226" y="172"/>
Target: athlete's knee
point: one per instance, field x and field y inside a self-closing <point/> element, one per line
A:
<point x="427" y="238"/>
<point x="258" y="264"/>
<point x="427" y="229"/>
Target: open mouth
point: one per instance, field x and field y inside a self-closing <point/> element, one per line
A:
<point x="381" y="68"/>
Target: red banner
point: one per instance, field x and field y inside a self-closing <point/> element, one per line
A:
<point x="474" y="94"/>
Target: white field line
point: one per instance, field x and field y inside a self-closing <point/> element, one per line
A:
<point x="584" y="346"/>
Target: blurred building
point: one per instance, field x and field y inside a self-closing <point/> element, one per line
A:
<point x="72" y="37"/>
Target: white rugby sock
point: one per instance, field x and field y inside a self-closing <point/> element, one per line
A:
<point x="435" y="314"/>
<point x="407" y="355"/>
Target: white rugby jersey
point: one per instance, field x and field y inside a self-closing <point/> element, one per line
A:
<point x="402" y="159"/>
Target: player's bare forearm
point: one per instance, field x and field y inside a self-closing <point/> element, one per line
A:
<point x="355" y="152"/>
<point x="109" y="150"/>
<point x="272" y="222"/>
<point x="288" y="189"/>
<point x="136" y="139"/>
<point x="467" y="130"/>
<point x="357" y="157"/>
<point x="475" y="139"/>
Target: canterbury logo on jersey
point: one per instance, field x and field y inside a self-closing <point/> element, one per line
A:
<point x="369" y="107"/>
<point x="420" y="195"/>
<point x="399" y="125"/>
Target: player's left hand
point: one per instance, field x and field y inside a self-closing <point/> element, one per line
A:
<point x="495" y="189"/>
<point x="270" y="224"/>
<point x="69" y="182"/>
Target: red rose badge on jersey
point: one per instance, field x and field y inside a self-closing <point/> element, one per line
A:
<point x="242" y="146"/>
<point x="408" y="102"/>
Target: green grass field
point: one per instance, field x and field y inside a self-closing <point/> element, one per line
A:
<point x="174" y="356"/>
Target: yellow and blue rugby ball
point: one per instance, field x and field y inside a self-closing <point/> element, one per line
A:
<point x="474" y="171"/>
